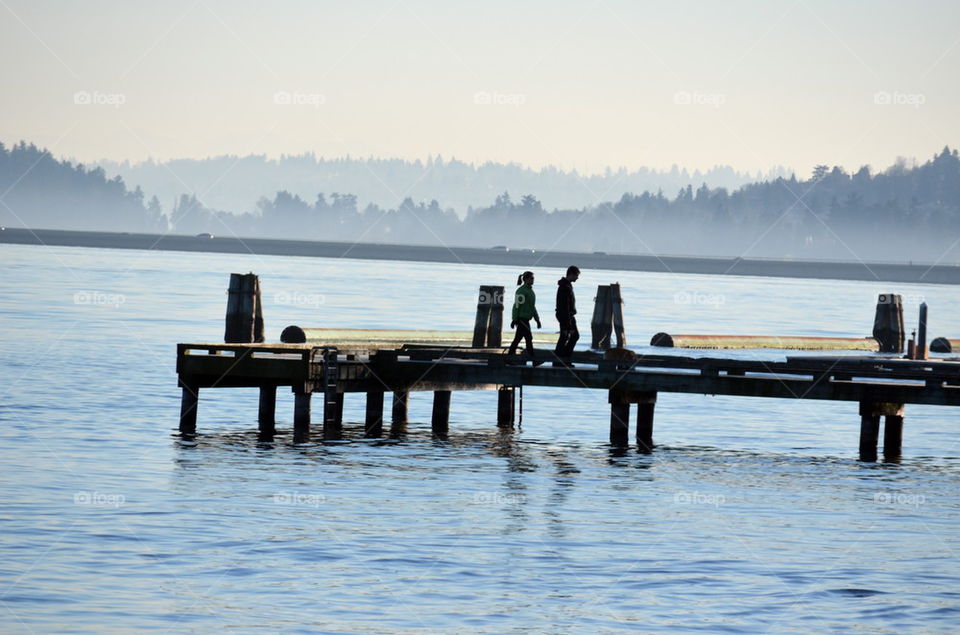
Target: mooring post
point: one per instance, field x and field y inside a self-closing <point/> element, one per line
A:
<point x="482" y="321"/>
<point x="440" y="422"/>
<point x="373" y="425"/>
<point x="922" y="332"/>
<point x="244" y="321"/>
<point x="892" y="437"/>
<point x="505" y="406"/>
<point x="619" y="419"/>
<point x="188" y="408"/>
<point x="266" y="416"/>
<point x="888" y="323"/>
<point x="601" y="325"/>
<point x="495" y="326"/>
<point x="616" y="313"/>
<point x="400" y="399"/>
<point x="301" y="416"/>
<point x="646" y="402"/>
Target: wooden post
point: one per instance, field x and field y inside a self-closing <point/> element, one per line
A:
<point x="922" y="333"/>
<point x="301" y="416"/>
<point x="266" y="416"/>
<point x="482" y="321"/>
<point x="400" y="399"/>
<point x="495" y="328"/>
<point x="888" y="323"/>
<point x="616" y="312"/>
<point x="619" y="420"/>
<point x="373" y="426"/>
<point x="505" y="406"/>
<point x="602" y="323"/>
<point x="440" y="421"/>
<point x="870" y="413"/>
<point x="332" y="415"/>
<point x="188" y="408"/>
<point x="892" y="437"/>
<point x="244" y="321"/>
<point x="645" y="407"/>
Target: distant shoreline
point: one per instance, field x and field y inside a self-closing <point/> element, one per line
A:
<point x="872" y="272"/>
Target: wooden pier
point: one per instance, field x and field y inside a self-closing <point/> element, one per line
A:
<point x="384" y="365"/>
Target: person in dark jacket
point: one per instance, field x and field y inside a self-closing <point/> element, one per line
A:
<point x="566" y="316"/>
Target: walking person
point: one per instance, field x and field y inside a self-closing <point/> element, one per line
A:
<point x="566" y="316"/>
<point x="524" y="309"/>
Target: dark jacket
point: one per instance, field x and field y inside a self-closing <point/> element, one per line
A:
<point x="566" y="302"/>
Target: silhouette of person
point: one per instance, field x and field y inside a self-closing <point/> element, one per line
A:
<point x="566" y="316"/>
<point x="524" y="308"/>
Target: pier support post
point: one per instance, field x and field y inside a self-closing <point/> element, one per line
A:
<point x="266" y="416"/>
<point x="892" y="437"/>
<point x="601" y="325"/>
<point x="870" y="413"/>
<point x="888" y="323"/>
<point x="188" y="408"/>
<point x="301" y="416"/>
<point x="646" y="402"/>
<point x="400" y="399"/>
<point x="505" y="406"/>
<point x="373" y="426"/>
<point x="619" y="420"/>
<point x="332" y="415"/>
<point x="440" y="421"/>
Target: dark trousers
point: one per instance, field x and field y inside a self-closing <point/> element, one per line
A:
<point x="568" y="338"/>
<point x="523" y="331"/>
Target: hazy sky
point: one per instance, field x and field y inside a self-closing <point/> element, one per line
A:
<point x="586" y="85"/>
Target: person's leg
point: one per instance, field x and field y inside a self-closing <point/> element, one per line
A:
<point x="573" y="336"/>
<point x="558" y="350"/>
<point x="516" y="338"/>
<point x="527" y="336"/>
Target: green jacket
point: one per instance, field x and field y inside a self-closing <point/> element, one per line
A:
<point x="525" y="304"/>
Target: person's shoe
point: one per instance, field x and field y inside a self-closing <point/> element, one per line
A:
<point x="536" y="362"/>
<point x="558" y="364"/>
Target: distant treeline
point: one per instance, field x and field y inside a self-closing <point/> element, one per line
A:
<point x="903" y="213"/>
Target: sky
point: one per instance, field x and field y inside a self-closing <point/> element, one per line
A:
<point x="581" y="85"/>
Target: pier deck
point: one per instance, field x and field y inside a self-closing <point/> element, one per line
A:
<point x="881" y="385"/>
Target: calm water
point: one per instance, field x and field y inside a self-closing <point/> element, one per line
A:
<point x="751" y="516"/>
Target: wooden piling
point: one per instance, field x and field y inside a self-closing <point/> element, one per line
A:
<point x="892" y="437"/>
<point x="244" y="320"/>
<point x="888" y="327"/>
<point x="332" y="415"/>
<point x="495" y="325"/>
<point x="619" y="420"/>
<point x="400" y="399"/>
<point x="301" y="416"/>
<point x="266" y="416"/>
<point x="646" y="404"/>
<point x="482" y="321"/>
<point x="440" y="421"/>
<point x="616" y="315"/>
<point x="922" y="332"/>
<point x="373" y="425"/>
<point x="602" y="323"/>
<point x="505" y="406"/>
<point x="188" y="408"/>
<point x="870" y="413"/>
